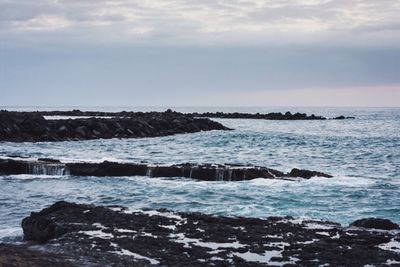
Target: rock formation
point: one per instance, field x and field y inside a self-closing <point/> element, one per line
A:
<point x="115" y="236"/>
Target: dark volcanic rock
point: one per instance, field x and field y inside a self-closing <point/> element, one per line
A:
<point x="23" y="256"/>
<point x="207" y="172"/>
<point x="117" y="236"/>
<point x="267" y="116"/>
<point x="307" y="174"/>
<point x="234" y="115"/>
<point x="376" y="223"/>
<point x="32" y="127"/>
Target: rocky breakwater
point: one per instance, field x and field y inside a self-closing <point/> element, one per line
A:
<point x="233" y="115"/>
<point x="268" y="116"/>
<point x="87" y="235"/>
<point x="205" y="172"/>
<point x="33" y="127"/>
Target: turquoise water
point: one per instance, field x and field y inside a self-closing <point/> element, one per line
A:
<point x="362" y="154"/>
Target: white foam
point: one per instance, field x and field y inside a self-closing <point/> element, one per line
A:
<point x="189" y="242"/>
<point x="262" y="258"/>
<point x="10" y="232"/>
<point x="391" y="262"/>
<point x="307" y="242"/>
<point x="392" y="245"/>
<point x="318" y="226"/>
<point x="125" y="252"/>
<point x="124" y="230"/>
<point x="97" y="234"/>
<point x="172" y="227"/>
<point x="323" y="233"/>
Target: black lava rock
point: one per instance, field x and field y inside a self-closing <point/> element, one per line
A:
<point x="207" y="172"/>
<point x="376" y="223"/>
<point x="116" y="236"/>
<point x="32" y="127"/>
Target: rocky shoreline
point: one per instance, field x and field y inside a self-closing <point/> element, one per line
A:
<point x="87" y="235"/>
<point x="33" y="127"/>
<point x="205" y="172"/>
<point x="234" y="115"/>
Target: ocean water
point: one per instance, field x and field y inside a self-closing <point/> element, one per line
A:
<point x="362" y="154"/>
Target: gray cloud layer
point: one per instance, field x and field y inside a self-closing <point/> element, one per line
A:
<point x="202" y="21"/>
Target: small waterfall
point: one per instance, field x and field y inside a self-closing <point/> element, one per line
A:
<point x="191" y="172"/>
<point x="230" y="175"/>
<point x="149" y="172"/>
<point x="48" y="169"/>
<point x="219" y="174"/>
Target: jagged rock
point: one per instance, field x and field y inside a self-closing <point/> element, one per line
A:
<point x="307" y="174"/>
<point x="116" y="236"/>
<point x="376" y="223"/>
<point x="343" y="118"/>
<point x="32" y="127"/>
<point x="206" y="172"/>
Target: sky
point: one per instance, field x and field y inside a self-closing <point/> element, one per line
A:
<point x="200" y="53"/>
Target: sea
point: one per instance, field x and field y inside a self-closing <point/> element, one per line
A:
<point x="363" y="155"/>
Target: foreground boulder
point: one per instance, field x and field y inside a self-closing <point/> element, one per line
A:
<point x="205" y="172"/>
<point x="33" y="127"/>
<point x="116" y="236"/>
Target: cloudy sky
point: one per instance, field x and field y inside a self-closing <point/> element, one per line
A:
<point x="200" y="52"/>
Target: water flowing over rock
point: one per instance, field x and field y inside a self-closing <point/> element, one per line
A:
<point x="205" y="172"/>
<point x="117" y="236"/>
<point x="33" y="127"/>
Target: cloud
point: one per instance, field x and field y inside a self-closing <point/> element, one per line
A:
<point x="202" y="22"/>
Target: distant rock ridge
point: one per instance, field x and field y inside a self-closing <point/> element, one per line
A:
<point x="230" y="115"/>
<point x="268" y="116"/>
<point x="205" y="172"/>
<point x="33" y="127"/>
<point x="88" y="235"/>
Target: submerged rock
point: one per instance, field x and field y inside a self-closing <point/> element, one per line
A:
<point x="206" y="172"/>
<point x="32" y="127"/>
<point x="307" y="174"/>
<point x="116" y="236"/>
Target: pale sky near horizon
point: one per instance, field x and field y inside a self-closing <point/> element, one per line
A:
<point x="200" y="52"/>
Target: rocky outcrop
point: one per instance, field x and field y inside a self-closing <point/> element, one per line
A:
<point x="268" y="116"/>
<point x="376" y="223"/>
<point x="206" y="172"/>
<point x="33" y="127"/>
<point x="116" y="236"/>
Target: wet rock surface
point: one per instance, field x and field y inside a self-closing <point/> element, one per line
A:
<point x="116" y="236"/>
<point x="205" y="172"/>
<point x="24" y="256"/>
<point x="33" y="127"/>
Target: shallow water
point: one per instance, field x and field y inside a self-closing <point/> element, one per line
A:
<point x="363" y="155"/>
